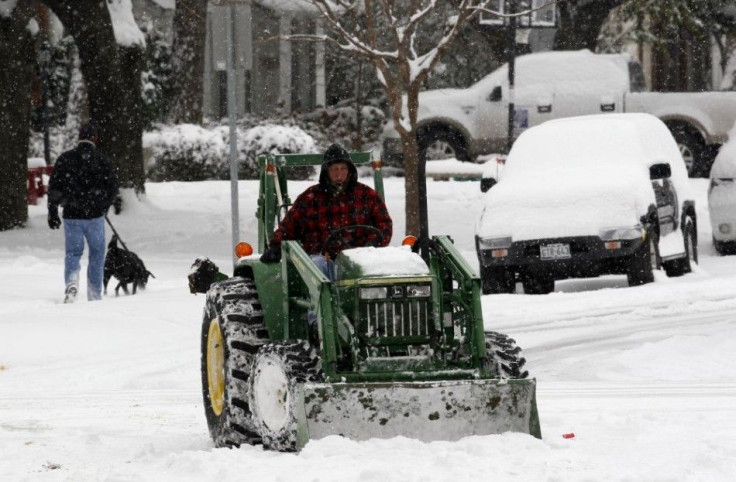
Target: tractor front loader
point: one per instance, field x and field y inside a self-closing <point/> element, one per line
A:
<point x="394" y="346"/>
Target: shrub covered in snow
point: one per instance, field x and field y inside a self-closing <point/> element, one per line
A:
<point x="188" y="152"/>
<point x="342" y="124"/>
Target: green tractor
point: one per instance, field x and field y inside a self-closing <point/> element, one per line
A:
<point x="394" y="346"/>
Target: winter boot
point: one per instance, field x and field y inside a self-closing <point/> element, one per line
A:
<point x="71" y="294"/>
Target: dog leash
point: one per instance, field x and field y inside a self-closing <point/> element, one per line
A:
<point x="116" y="233"/>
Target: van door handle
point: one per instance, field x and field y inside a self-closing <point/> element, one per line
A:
<point x="544" y="109"/>
<point x="608" y="107"/>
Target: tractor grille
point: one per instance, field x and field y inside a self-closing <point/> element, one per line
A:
<point x="396" y="318"/>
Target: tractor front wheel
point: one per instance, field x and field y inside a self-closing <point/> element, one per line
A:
<point x="278" y="369"/>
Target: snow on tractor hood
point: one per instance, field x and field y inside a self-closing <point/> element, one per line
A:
<point x="387" y="261"/>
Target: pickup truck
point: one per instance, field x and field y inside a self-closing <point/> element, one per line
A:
<point x="465" y="123"/>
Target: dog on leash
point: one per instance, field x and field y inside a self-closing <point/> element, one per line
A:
<point x="126" y="267"/>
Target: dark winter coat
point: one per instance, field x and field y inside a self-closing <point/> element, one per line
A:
<point x="319" y="211"/>
<point x="83" y="183"/>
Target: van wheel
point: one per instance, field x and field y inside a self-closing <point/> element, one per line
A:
<point x="644" y="262"/>
<point x="497" y="280"/>
<point x="437" y="144"/>
<point x="724" y="248"/>
<point x="538" y="285"/>
<point x="693" y="150"/>
<point x="681" y="266"/>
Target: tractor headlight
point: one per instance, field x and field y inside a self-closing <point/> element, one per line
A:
<point x="611" y="234"/>
<point x="373" y="293"/>
<point x="418" y="291"/>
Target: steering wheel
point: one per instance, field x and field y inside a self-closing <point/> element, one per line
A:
<point x="335" y="243"/>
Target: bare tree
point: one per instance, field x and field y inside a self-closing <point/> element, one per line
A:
<point x="190" y="24"/>
<point x="390" y="42"/>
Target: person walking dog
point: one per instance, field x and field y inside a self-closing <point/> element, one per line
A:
<point x="83" y="183"/>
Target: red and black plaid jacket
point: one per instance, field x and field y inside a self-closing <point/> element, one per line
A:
<point x="317" y="212"/>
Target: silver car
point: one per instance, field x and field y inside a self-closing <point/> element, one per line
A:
<point x="722" y="199"/>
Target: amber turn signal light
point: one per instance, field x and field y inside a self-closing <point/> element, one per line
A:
<point x="243" y="249"/>
<point x="409" y="241"/>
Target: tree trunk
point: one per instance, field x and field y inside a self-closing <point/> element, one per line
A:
<point x="112" y="76"/>
<point x="190" y="28"/>
<point x="17" y="59"/>
<point x="411" y="183"/>
<point x="579" y="26"/>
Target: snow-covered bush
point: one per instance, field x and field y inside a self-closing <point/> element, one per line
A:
<point x="61" y="138"/>
<point x="340" y="124"/>
<point x="188" y="152"/>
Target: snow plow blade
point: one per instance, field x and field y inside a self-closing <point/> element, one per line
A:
<point x="440" y="410"/>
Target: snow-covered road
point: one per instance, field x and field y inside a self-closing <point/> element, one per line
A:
<point x="645" y="378"/>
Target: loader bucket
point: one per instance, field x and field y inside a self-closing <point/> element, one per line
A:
<point x="444" y="410"/>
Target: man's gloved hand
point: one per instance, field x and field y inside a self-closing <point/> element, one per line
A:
<point x="54" y="220"/>
<point x="117" y="204"/>
<point x="272" y="254"/>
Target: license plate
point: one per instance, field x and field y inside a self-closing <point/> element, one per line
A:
<point x="555" y="251"/>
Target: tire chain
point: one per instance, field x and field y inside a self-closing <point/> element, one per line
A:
<point x="505" y="356"/>
<point x="236" y="302"/>
<point x="301" y="363"/>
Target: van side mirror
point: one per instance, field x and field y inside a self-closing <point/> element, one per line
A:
<point x="659" y="171"/>
<point x="487" y="183"/>
<point x="495" y="94"/>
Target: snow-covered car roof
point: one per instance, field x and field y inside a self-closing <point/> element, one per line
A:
<point x="588" y="71"/>
<point x="578" y="175"/>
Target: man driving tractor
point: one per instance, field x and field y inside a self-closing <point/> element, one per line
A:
<point x="337" y="213"/>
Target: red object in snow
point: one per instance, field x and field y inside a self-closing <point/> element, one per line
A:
<point x="36" y="186"/>
<point x="568" y="435"/>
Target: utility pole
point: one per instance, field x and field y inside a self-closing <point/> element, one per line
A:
<point x="511" y="60"/>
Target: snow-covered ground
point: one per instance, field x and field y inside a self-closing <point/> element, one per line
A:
<point x="645" y="378"/>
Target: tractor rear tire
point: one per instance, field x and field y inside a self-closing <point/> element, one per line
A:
<point x="503" y="357"/>
<point x="232" y="333"/>
<point x="278" y="370"/>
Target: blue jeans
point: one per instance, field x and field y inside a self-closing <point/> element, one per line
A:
<point x="75" y="232"/>
<point x="327" y="266"/>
